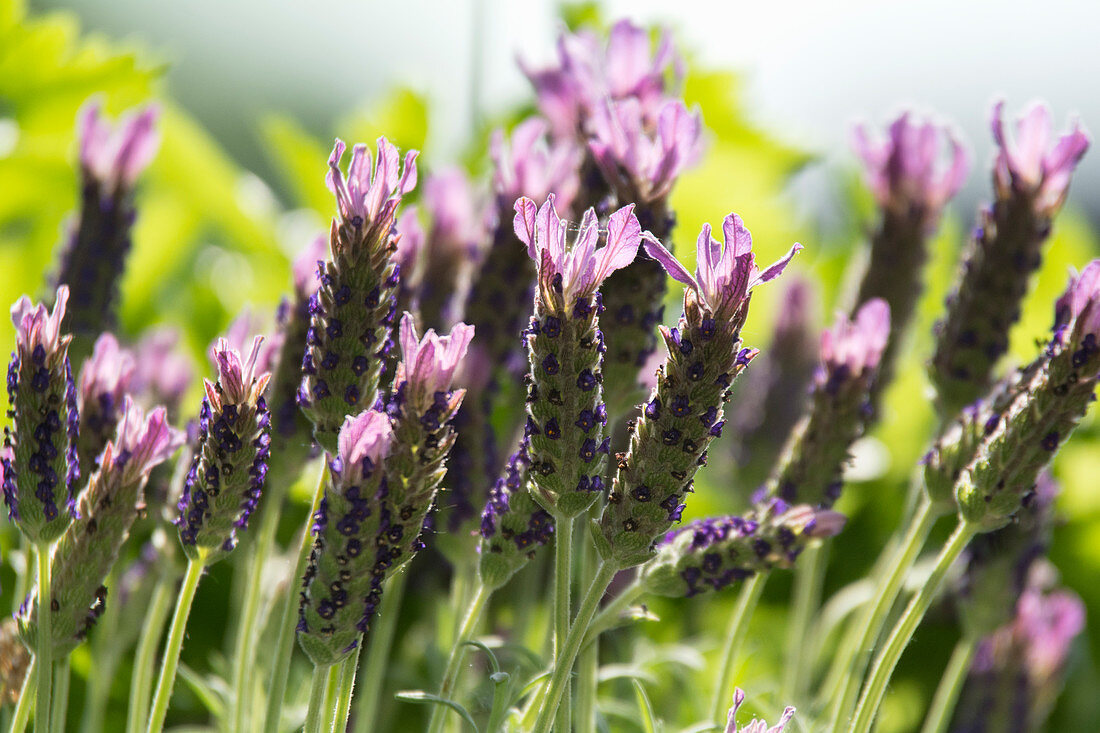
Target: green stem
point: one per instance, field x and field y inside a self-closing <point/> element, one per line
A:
<point x="563" y="583"/>
<point x="23" y="705"/>
<point x="809" y="574"/>
<point x="318" y="691"/>
<point x="902" y="633"/>
<point x="735" y="635"/>
<point x="947" y="693"/>
<point x="454" y="661"/>
<point x="249" y="618"/>
<point x="588" y="663"/>
<point x="22" y="580"/>
<point x="379" y="643"/>
<point x="868" y="625"/>
<point x="60" y="710"/>
<point x="610" y="614"/>
<point x="141" y="680"/>
<point x="284" y="645"/>
<point x="174" y="645"/>
<point x="567" y="654"/>
<point x="345" y="687"/>
<point x="44" y="646"/>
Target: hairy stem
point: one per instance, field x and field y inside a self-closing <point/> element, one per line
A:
<point x="951" y="684"/>
<point x="454" y="661"/>
<point x="809" y="574"/>
<point x="563" y="582"/>
<point x="142" y="678"/>
<point x="735" y="635"/>
<point x="44" y="647"/>
<point x="174" y="644"/>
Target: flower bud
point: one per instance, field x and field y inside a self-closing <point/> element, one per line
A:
<point x="565" y="409"/>
<point x="352" y="311"/>
<point x="684" y="412"/>
<point x="228" y="470"/>
<point x="40" y="473"/>
<point x="756" y="726"/>
<point x="1030" y="184"/>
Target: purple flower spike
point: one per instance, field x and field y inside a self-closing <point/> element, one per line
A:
<point x="449" y="198"/>
<point x="724" y="274"/>
<point x="105" y="377"/>
<point x="857" y="345"/>
<point x="904" y="170"/>
<point x="429" y="363"/>
<point x="163" y="373"/>
<point x="1028" y="165"/>
<point x="1080" y="304"/>
<point x="586" y="74"/>
<point x="637" y="160"/>
<point x="756" y="726"/>
<point x="238" y="337"/>
<point x="529" y="165"/>
<point x="115" y="155"/>
<point x="368" y="193"/>
<point x="241" y="380"/>
<point x="581" y="268"/>
<point x="36" y="327"/>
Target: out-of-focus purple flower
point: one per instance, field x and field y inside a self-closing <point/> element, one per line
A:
<point x="104" y="379"/>
<point x="163" y="371"/>
<point x="428" y="364"/>
<point x="1030" y="165"/>
<point x="449" y="198"/>
<point x="856" y="346"/>
<point x="305" y="266"/>
<point x="369" y="194"/>
<point x="756" y="726"/>
<point x="410" y="242"/>
<point x="724" y="274"/>
<point x="577" y="270"/>
<point x="904" y="170"/>
<point x="114" y="155"/>
<point x="642" y="164"/>
<point x="527" y="164"/>
<point x="143" y="441"/>
<point x="364" y="440"/>
<point x="587" y="73"/>
<point x="1048" y="624"/>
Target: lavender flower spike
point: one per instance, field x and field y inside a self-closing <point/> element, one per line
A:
<point x="565" y="410"/>
<point x="1030" y="183"/>
<point x="108" y="508"/>
<point x="756" y="726"/>
<point x="104" y="379"/>
<point x="343" y="582"/>
<point x="683" y="415"/>
<point x="228" y="471"/>
<point x="352" y="312"/>
<point x="39" y="478"/>
<point x="111" y="158"/>
<point x="423" y="407"/>
<point x="811" y="471"/>
<point x="1050" y="398"/>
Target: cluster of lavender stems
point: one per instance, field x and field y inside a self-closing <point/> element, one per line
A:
<point x="504" y="378"/>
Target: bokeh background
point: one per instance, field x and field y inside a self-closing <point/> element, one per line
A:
<point x="254" y="91"/>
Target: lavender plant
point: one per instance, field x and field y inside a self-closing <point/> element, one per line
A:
<point x="550" y="419"/>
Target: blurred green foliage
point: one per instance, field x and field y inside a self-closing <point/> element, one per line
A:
<point x="212" y="237"/>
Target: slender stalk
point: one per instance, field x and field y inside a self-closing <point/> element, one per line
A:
<point x="563" y="583"/>
<point x="609" y="614"/>
<point x="249" y="618"/>
<point x="22" y="579"/>
<point x="345" y="686"/>
<point x="588" y="662"/>
<point x="141" y="680"/>
<point x="174" y="645"/>
<point x="318" y="691"/>
<point x="44" y="646"/>
<point x="284" y="645"/>
<point x="809" y="574"/>
<point x="107" y="648"/>
<point x="947" y="693"/>
<point x="379" y="643"/>
<point x="735" y="635"/>
<point x="902" y="633"/>
<point x="563" y="661"/>
<point x="868" y="625"/>
<point x="23" y="705"/>
<point x="60" y="710"/>
<point x="458" y="650"/>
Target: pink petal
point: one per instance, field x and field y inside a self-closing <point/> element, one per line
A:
<point x="524" y="224"/>
<point x="672" y="266"/>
